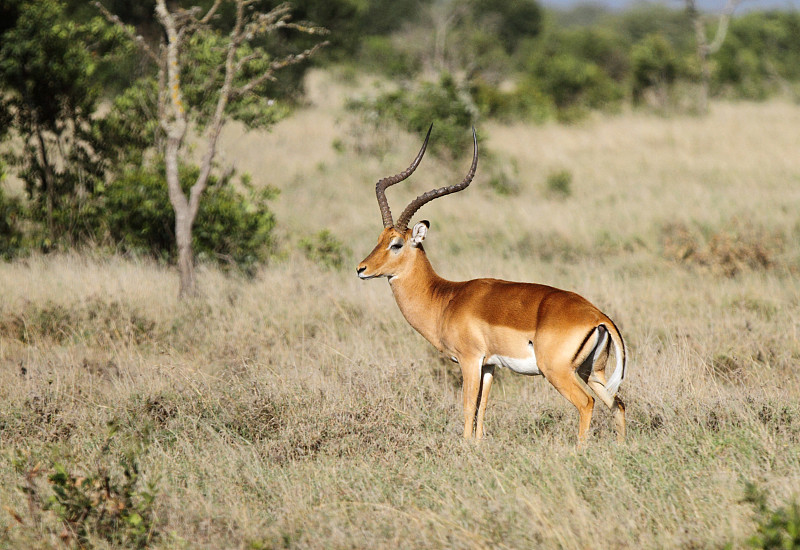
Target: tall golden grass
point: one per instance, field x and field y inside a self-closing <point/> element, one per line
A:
<point x="297" y="409"/>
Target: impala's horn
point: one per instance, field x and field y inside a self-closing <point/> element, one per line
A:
<point x="380" y="187"/>
<point x="419" y="202"/>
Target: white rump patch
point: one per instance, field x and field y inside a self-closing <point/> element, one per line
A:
<point x="524" y="365"/>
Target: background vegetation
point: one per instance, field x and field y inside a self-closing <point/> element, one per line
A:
<point x="290" y="405"/>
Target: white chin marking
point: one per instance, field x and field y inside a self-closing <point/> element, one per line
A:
<point x="523" y="365"/>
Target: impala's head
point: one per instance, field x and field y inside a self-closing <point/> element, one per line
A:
<point x="398" y="245"/>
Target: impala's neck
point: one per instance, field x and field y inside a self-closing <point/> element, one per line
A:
<point x="422" y="296"/>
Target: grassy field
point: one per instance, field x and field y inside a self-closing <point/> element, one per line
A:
<point x="298" y="409"/>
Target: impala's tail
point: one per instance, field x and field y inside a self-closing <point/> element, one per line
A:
<point x="613" y="382"/>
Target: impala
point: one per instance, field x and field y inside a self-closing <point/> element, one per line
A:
<point x="486" y="323"/>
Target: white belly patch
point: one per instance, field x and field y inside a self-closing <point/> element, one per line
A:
<point x="523" y="365"/>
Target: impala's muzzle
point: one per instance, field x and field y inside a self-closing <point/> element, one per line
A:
<point x="361" y="275"/>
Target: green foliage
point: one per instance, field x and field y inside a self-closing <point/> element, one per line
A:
<point x="109" y="503"/>
<point x="325" y="249"/>
<point x="655" y="65"/>
<point x="761" y="51"/>
<point x="131" y="127"/>
<point x="526" y="101"/>
<point x="12" y="240"/>
<point x="648" y="18"/>
<point x="575" y="84"/>
<point x="379" y="54"/>
<point x="777" y="529"/>
<point x="442" y="103"/>
<point x="559" y="184"/>
<point x="512" y="20"/>
<point x="233" y="227"/>
<point x="201" y="81"/>
<point x="49" y="91"/>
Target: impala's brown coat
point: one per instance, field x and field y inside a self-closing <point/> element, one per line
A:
<point x="482" y="323"/>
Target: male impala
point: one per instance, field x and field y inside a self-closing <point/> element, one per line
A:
<point x="487" y="323"/>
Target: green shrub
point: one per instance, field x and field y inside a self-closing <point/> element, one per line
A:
<point x="524" y="102"/>
<point x="380" y="55"/>
<point x="503" y="175"/>
<point x="559" y="184"/>
<point x="233" y="226"/>
<point x="12" y="212"/>
<point x="655" y="66"/>
<point x="108" y="502"/>
<point x="778" y="528"/>
<point x="442" y="103"/>
<point x="576" y="84"/>
<point x="324" y="248"/>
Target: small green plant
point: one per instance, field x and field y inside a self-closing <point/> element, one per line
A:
<point x="777" y="528"/>
<point x="103" y="504"/>
<point x="324" y="248"/>
<point x="559" y="184"/>
<point x="504" y="178"/>
<point x="504" y="185"/>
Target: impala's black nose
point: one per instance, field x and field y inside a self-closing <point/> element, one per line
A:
<point x="360" y="269"/>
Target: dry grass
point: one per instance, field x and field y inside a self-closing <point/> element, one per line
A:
<point x="298" y="409"/>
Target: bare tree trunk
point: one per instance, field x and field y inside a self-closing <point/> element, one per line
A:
<point x="705" y="49"/>
<point x="49" y="184"/>
<point x="172" y="113"/>
<point x="174" y="122"/>
<point x="183" y="238"/>
<point x="184" y="218"/>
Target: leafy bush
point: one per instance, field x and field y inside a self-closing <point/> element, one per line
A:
<point x="778" y="528"/>
<point x="379" y="54"/>
<point x="324" y="248"/>
<point x="12" y="241"/>
<point x="515" y="20"/>
<point x="110" y="502"/>
<point x="233" y="226"/>
<point x="575" y="84"/>
<point x="655" y="66"/>
<point x="525" y="101"/>
<point x="442" y="103"/>
<point x="559" y="184"/>
<point x="760" y="54"/>
<point x="503" y="175"/>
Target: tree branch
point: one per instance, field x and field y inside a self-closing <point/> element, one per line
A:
<point x="292" y="59"/>
<point x="207" y="17"/>
<point x="722" y="28"/>
<point x="218" y="120"/>
<point x="177" y="127"/>
<point x="137" y="38"/>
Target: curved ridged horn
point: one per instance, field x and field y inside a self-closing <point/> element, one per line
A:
<point x="380" y="187"/>
<point x="419" y="202"/>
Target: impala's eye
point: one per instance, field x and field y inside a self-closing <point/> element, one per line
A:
<point x="396" y="246"/>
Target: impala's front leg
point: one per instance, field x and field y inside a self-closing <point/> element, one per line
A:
<point x="471" y="386"/>
<point x="487" y="373"/>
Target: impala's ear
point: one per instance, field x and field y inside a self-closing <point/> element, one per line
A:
<point x="419" y="232"/>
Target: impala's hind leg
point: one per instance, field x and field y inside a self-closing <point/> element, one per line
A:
<point x="597" y="384"/>
<point x="576" y="391"/>
<point x="596" y="380"/>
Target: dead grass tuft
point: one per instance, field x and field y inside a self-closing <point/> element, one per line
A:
<point x="728" y="251"/>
